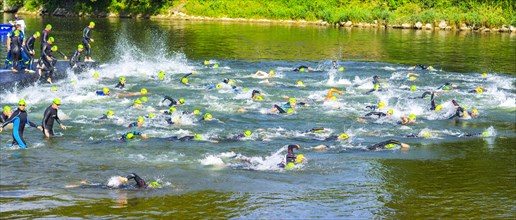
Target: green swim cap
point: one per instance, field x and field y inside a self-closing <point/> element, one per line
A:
<point x="51" y="39"/>
<point x="412" y="78"/>
<point x="7" y="108"/>
<point x="161" y="75"/>
<point x="92" y="24"/>
<point x="154" y="184"/>
<point x="56" y="101"/>
<point x="413" y="88"/>
<point x="172" y="109"/>
<point x="152" y="115"/>
<point x="22" y="103"/>
<point x="105" y="90"/>
<point x="390" y="111"/>
<point x="54" y="48"/>
<point x="247" y="133"/>
<point x="292" y="100"/>
<point x="143" y="91"/>
<point x="216" y="65"/>
<point x="196" y="112"/>
<point x="208" y="116"/>
<point x="144" y="99"/>
<point x="389" y="146"/>
<point x="412" y="116"/>
<point x="110" y="113"/>
<point x="37" y="34"/>
<point x="302" y="70"/>
<point x="182" y="101"/>
<point x="197" y="137"/>
<point x="271" y="72"/>
<point x="121" y="79"/>
<point x="474" y="110"/>
<point x="72" y="81"/>
<point x="54" y="88"/>
<point x="341" y="69"/>
<point x="16" y="32"/>
<point x="446" y="87"/>
<point x="184" y="80"/>
<point x="129" y="136"/>
<point x="95" y="75"/>
<point x="343" y="136"/>
<point x="141" y="119"/>
<point x="80" y="46"/>
<point x="137" y="102"/>
<point x="48" y="26"/>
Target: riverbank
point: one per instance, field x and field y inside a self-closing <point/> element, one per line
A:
<point x="428" y="15"/>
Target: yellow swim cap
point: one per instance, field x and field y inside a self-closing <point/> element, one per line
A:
<point x="412" y="116"/>
<point x="152" y="115"/>
<point x="216" y="65"/>
<point x="412" y="78"/>
<point x="129" y="136"/>
<point x="271" y="72"/>
<point x="300" y="158"/>
<point x="247" y="133"/>
<point x="218" y="86"/>
<point x="290" y="110"/>
<point x="474" y="110"/>
<point x="438" y="107"/>
<point x="184" y="80"/>
<point x="389" y="146"/>
<point x="172" y="109"/>
<point x="144" y="99"/>
<point x="7" y="108"/>
<point x="292" y="100"/>
<point x="22" y="103"/>
<point x="333" y="97"/>
<point x="426" y="134"/>
<point x="484" y="74"/>
<point x="92" y="24"/>
<point x="300" y="83"/>
<point x="137" y="102"/>
<point x="198" y="137"/>
<point x="206" y="62"/>
<point x="390" y="111"/>
<point x="105" y="90"/>
<point x="110" y="113"/>
<point x="182" y="101"/>
<point x="95" y="75"/>
<point x="341" y="69"/>
<point x="302" y="70"/>
<point x="259" y="98"/>
<point x="413" y="88"/>
<point x="343" y="136"/>
<point x="56" y="101"/>
<point x="207" y="117"/>
<point x="54" y="88"/>
<point x="143" y="91"/>
<point x="381" y="104"/>
<point x="141" y="119"/>
<point x="161" y="75"/>
<point x="479" y="90"/>
<point x="485" y="133"/>
<point x="196" y="112"/>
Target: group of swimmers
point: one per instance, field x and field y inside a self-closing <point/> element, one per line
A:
<point x="21" y="51"/>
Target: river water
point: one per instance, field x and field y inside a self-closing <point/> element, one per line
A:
<point x="446" y="175"/>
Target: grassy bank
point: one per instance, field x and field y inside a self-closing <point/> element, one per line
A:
<point x="477" y="13"/>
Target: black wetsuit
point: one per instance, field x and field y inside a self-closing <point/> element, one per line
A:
<point x="301" y="67"/>
<point x="381" y="145"/>
<point x="372" y="107"/>
<point x="47" y="59"/>
<point x="446" y="86"/>
<point x="19" y="119"/>
<point x="16" y="50"/>
<point x="104" y="117"/>
<point x="3" y="118"/>
<point x="76" y="57"/>
<point x="140" y="183"/>
<point x="290" y="157"/>
<point x="175" y="138"/>
<point x="376" y="81"/>
<point x="255" y="92"/>
<point x="120" y="85"/>
<point x="48" y="120"/>
<point x="172" y="101"/>
<point x="459" y="112"/>
<point x="86" y="41"/>
<point x="432" y="101"/>
<point x="421" y="66"/>
<point x="134" y="124"/>
<point x="44" y="38"/>
<point x="29" y="47"/>
<point x="379" y="114"/>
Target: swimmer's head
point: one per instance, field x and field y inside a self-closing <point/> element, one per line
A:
<point x="197" y="137"/>
<point x="22" y="103"/>
<point x="301" y="69"/>
<point x="413" y="88"/>
<point x="389" y="146"/>
<point x="137" y="102"/>
<point x="343" y="136"/>
<point x="485" y="134"/>
<point x="446" y="88"/>
<point x="216" y="65"/>
<point x="143" y="91"/>
<point x="182" y="101"/>
<point x="54" y="88"/>
<point x="110" y="113"/>
<point x="141" y="119"/>
<point x="54" y="48"/>
<point x="161" y="75"/>
<point x="51" y="39"/>
<point x="438" y="107"/>
<point x="390" y="112"/>
<point x="271" y="72"/>
<point x="92" y="24"/>
<point x="474" y="112"/>
<point x="37" y="34"/>
<point x="290" y="111"/>
<point x="105" y="90"/>
<point x="247" y="133"/>
<point x="341" y="69"/>
<point x="206" y="62"/>
<point x="7" y="109"/>
<point x="376" y="86"/>
<point x="381" y="105"/>
<point x="184" y="80"/>
<point x="259" y="98"/>
<point x="292" y="100"/>
<point x="172" y="109"/>
<point x="333" y="97"/>
<point x="207" y="116"/>
<point x="412" y="78"/>
<point x="479" y="90"/>
<point x="129" y="136"/>
<point x="484" y="74"/>
<point x="300" y="83"/>
<point x="426" y="134"/>
<point x="300" y="158"/>
<point x="95" y="75"/>
<point x="144" y="99"/>
<point x="56" y="101"/>
<point x="412" y="116"/>
<point x="49" y="26"/>
<point x="218" y="86"/>
<point x="151" y="115"/>
<point x="154" y="184"/>
<point x="196" y="112"/>
<point x="121" y="79"/>
<point x="79" y="47"/>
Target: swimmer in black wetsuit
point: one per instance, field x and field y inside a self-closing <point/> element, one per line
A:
<point x="381" y="114"/>
<point x="376" y="85"/>
<point x="256" y="95"/>
<point x="173" y="101"/>
<point x="138" y="123"/>
<point x="303" y="68"/>
<point x="29" y="50"/>
<point x="76" y="56"/>
<point x="117" y="182"/>
<point x="121" y="83"/>
<point x="289" y="106"/>
<point x="459" y="112"/>
<point x="130" y="135"/>
<point x="421" y="67"/>
<point x="48" y="118"/>
<point x="184" y="79"/>
<point x="108" y="115"/>
<point x="291" y="159"/>
<point x="86" y="40"/>
<point x="16" y="50"/>
<point x="447" y="86"/>
<point x="387" y="145"/>
<point x="185" y="138"/>
<point x="19" y="119"/>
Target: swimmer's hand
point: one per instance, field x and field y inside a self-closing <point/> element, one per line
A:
<point x="63" y="127"/>
<point x="1" y="129"/>
<point x="91" y="40"/>
<point x="403" y="145"/>
<point x="65" y="57"/>
<point x="145" y="136"/>
<point x="40" y="128"/>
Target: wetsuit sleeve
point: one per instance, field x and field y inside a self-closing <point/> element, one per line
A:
<point x="46" y="117"/>
<point x="379" y="114"/>
<point x="119" y="85"/>
<point x="136" y="133"/>
<point x="11" y="119"/>
<point x="432" y="102"/>
<point x="392" y="141"/>
<point x="458" y="113"/>
<point x="62" y="54"/>
<point x="185" y="76"/>
<point x="44" y="51"/>
<point x="425" y="94"/>
<point x="86" y="34"/>
<point x="57" y="119"/>
<point x="31" y="123"/>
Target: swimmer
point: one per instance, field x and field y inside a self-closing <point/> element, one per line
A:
<point x="447" y="87"/>
<point x="389" y="144"/>
<point x="460" y="112"/>
<point x="478" y="90"/>
<point x="483" y="134"/>
<point x="289" y="106"/>
<point x="340" y="137"/>
<point x="381" y="114"/>
<point x="49" y="116"/>
<point x="196" y="137"/>
<point x="379" y="106"/>
<point x="19" y="119"/>
<point x="138" y="123"/>
<point x="116" y="182"/>
<point x="303" y="68"/>
<point x="181" y="101"/>
<point x="421" y="67"/>
<point x="121" y="83"/>
<point x="424" y="134"/>
<point x="103" y="92"/>
<point x="330" y="95"/>
<point x="410" y="119"/>
<point x="290" y="158"/>
<point x="130" y="135"/>
<point x="260" y="73"/>
<point x="256" y="95"/>
<point x="108" y="115"/>
<point x="184" y="79"/>
<point x="142" y="91"/>
<point x="376" y="85"/>
<point x="6" y="113"/>
<point x="247" y="133"/>
<point x="411" y="76"/>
